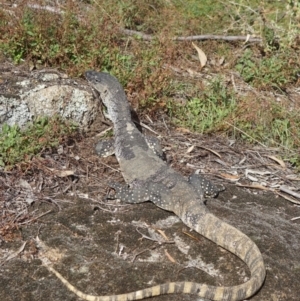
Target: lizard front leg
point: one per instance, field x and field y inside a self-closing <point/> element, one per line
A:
<point x="203" y="186"/>
<point x="106" y="147"/>
<point x="138" y="193"/>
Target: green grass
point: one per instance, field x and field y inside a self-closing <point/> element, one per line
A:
<point x="206" y="112"/>
<point x="18" y="145"/>
<point x="267" y="72"/>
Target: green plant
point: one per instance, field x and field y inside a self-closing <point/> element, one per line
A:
<point x="204" y="113"/>
<point x="17" y="145"/>
<point x="270" y="124"/>
<point x="266" y="72"/>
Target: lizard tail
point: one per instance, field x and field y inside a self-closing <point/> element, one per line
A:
<point x="234" y="241"/>
<point x="222" y="234"/>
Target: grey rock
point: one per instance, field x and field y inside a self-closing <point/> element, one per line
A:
<point x="23" y="98"/>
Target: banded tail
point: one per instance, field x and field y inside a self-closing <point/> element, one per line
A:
<point x="223" y="235"/>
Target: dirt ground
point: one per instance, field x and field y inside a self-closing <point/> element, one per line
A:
<point x="107" y="247"/>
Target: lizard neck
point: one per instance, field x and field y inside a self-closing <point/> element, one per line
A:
<point x="118" y="108"/>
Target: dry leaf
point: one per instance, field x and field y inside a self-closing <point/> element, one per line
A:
<point x="183" y="130"/>
<point x="221" y="162"/>
<point x="191" y="236"/>
<point x="288" y="198"/>
<point x="221" y="61"/>
<point x="251" y="178"/>
<point x="257" y="172"/>
<point x="15" y="254"/>
<point x="191" y="72"/>
<point x="279" y="161"/>
<point x="162" y="233"/>
<point x="289" y="191"/>
<point x="104" y="132"/>
<point x="201" y="55"/>
<point x="170" y="257"/>
<point x="229" y="177"/>
<point x="62" y="173"/>
<point x="148" y="127"/>
<point x="212" y="62"/>
<point x="210" y="150"/>
<point x="292" y="177"/>
<point x="190" y="149"/>
<point x="256" y="186"/>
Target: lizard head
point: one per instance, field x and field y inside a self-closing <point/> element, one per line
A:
<point x="104" y="83"/>
<point x="111" y="93"/>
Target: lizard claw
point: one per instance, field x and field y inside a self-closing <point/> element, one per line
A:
<point x="114" y="186"/>
<point x="119" y="190"/>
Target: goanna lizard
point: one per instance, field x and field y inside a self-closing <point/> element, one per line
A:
<point x="150" y="178"/>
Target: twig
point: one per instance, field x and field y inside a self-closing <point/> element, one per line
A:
<point x="210" y="150"/>
<point x="246" y="134"/>
<point x="254" y="186"/>
<point x="287" y="190"/>
<point x="148" y="128"/>
<point x="35" y="218"/>
<point x="118" y="171"/>
<point x="246" y="6"/>
<point x="148" y="237"/>
<point x="49" y="199"/>
<point x="47" y="8"/>
<point x="156" y="240"/>
<point x="191" y="236"/>
<point x="15" y="254"/>
<point x="218" y="37"/>
<point x="170" y="257"/>
<point x="143" y="251"/>
<point x="288" y="198"/>
<point x="117" y="236"/>
<point x="148" y="37"/>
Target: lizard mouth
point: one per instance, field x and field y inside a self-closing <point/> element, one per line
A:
<point x="92" y="76"/>
<point x="95" y="79"/>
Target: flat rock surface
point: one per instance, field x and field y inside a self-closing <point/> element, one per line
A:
<point x="116" y="249"/>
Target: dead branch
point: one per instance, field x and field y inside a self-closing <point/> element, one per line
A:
<point x="48" y="8"/>
<point x="14" y="254"/>
<point x="194" y="38"/>
<point x="218" y="37"/>
<point x="289" y="191"/>
<point x="288" y="198"/>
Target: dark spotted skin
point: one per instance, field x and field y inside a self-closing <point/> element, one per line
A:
<point x="106" y="147"/>
<point x="141" y="193"/>
<point x="150" y="178"/>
